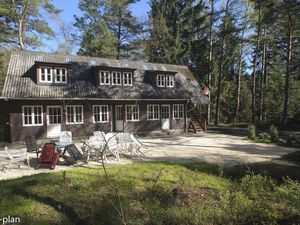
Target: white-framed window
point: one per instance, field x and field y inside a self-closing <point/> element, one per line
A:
<point x="160" y="80"/>
<point x="45" y="75"/>
<point x="60" y="75"/>
<point x="169" y="80"/>
<point x="32" y="115"/>
<point x="178" y="110"/>
<point x="127" y="78"/>
<point x="152" y="112"/>
<point x="104" y="77"/>
<point x="116" y="78"/>
<point x="100" y="113"/>
<point x="74" y="114"/>
<point x="132" y="112"/>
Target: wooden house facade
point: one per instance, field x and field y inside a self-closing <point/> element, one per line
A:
<point x="45" y="94"/>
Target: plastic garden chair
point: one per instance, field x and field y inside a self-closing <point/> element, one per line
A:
<point x="16" y="158"/>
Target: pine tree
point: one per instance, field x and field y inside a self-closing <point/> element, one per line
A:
<point x="23" y="21"/>
<point x="95" y="37"/>
<point x="173" y="27"/>
<point x="125" y="27"/>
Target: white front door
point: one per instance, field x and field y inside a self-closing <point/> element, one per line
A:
<point x="119" y="117"/>
<point x="165" y="117"/>
<point x="53" y="121"/>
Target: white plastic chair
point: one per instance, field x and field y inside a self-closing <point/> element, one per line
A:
<point x="15" y="158"/>
<point x="137" y="145"/>
<point x="94" y="145"/>
<point x="66" y="137"/>
<point x="100" y="135"/>
<point x="112" y="145"/>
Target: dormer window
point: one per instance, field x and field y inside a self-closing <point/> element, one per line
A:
<point x="45" y="75"/>
<point x="127" y="79"/>
<point x="163" y="80"/>
<point x="60" y="75"/>
<point x="116" y="78"/>
<point x="169" y="80"/>
<point x="160" y="80"/>
<point x="104" y="77"/>
<point x="49" y="75"/>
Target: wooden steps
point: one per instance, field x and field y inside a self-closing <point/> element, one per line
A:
<point x="197" y="120"/>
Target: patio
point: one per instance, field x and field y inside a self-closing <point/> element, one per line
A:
<point x="205" y="147"/>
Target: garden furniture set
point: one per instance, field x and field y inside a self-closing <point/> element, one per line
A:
<point x="97" y="148"/>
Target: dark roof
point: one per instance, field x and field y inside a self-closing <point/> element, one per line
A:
<point x="20" y="84"/>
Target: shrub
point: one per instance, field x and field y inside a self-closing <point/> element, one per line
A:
<point x="258" y="199"/>
<point x="264" y="136"/>
<point x="292" y="140"/>
<point x="251" y="131"/>
<point x="274" y="133"/>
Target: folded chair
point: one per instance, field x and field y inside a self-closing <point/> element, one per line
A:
<point x="74" y="155"/>
<point x="32" y="145"/>
<point x="49" y="156"/>
<point x="17" y="157"/>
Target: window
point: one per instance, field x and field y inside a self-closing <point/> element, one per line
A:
<point x="100" y="113"/>
<point x="116" y="78"/>
<point x="169" y="80"/>
<point x="132" y="112"/>
<point x="152" y="112"/>
<point x="127" y="79"/>
<point x="160" y="80"/>
<point x="74" y="114"/>
<point x="178" y="111"/>
<point x="60" y="75"/>
<point x="104" y="77"/>
<point x="45" y="75"/>
<point x="32" y="115"/>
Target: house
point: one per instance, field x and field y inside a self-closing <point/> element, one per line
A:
<point x="45" y="94"/>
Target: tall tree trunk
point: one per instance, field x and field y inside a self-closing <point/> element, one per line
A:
<point x="265" y="83"/>
<point x="221" y="66"/>
<point x="262" y="80"/>
<point x="212" y="2"/>
<point x="119" y="34"/>
<point x="255" y="67"/>
<point x="22" y="21"/>
<point x="288" y="64"/>
<point x="238" y="80"/>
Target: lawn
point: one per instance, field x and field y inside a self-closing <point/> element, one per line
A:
<point x="154" y="193"/>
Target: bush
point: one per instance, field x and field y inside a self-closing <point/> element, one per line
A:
<point x="274" y="134"/>
<point x="264" y="136"/>
<point x="251" y="131"/>
<point x="258" y="199"/>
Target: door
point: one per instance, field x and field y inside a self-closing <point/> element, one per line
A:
<point x="165" y="117"/>
<point x="53" y="121"/>
<point x="119" y="118"/>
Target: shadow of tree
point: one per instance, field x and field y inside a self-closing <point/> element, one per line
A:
<point x="58" y="206"/>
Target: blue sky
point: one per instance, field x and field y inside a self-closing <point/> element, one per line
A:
<point x="70" y="8"/>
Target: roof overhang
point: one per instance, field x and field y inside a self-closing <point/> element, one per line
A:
<point x="93" y="99"/>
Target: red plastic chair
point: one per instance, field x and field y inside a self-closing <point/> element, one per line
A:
<point x="49" y="156"/>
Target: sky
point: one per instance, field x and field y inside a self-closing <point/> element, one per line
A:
<point x="70" y="8"/>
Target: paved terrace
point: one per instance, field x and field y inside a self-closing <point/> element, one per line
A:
<point x="211" y="147"/>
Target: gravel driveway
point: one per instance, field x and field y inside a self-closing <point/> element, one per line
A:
<point x="211" y="147"/>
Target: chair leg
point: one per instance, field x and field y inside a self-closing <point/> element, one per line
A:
<point x="28" y="164"/>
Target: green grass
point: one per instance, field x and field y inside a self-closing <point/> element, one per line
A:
<point x="154" y="193"/>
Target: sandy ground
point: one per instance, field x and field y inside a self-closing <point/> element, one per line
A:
<point x="204" y="147"/>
